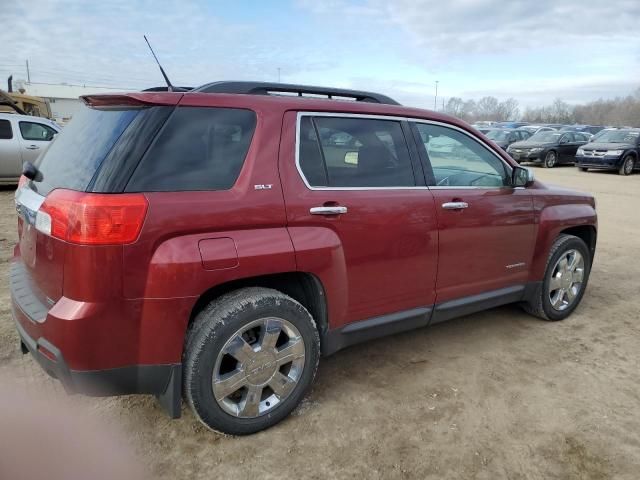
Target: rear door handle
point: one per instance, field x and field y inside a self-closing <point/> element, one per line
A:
<point x="32" y="147"/>
<point x="338" y="210"/>
<point x="455" y="205"/>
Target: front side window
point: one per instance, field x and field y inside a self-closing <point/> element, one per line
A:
<point x="457" y="160"/>
<point x="199" y="148"/>
<point x="5" y="130"/>
<point x="346" y="152"/>
<point x="36" y="132"/>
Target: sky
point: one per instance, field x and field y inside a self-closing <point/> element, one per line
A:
<point x="534" y="51"/>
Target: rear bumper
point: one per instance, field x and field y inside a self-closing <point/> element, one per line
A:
<point x="163" y="381"/>
<point x="146" y="379"/>
<point x="53" y="339"/>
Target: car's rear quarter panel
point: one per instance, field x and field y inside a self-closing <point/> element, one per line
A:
<point x="169" y="265"/>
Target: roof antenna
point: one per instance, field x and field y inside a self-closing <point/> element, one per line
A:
<point x="166" y="79"/>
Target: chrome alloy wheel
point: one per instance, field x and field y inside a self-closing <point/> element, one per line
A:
<point x="258" y="367"/>
<point x="566" y="280"/>
<point x="550" y="159"/>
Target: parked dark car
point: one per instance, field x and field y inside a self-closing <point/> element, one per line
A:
<point x="548" y="148"/>
<point x="611" y="150"/>
<point x="218" y="243"/>
<point x="506" y="136"/>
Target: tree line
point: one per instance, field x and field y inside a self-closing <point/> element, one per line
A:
<point x="619" y="111"/>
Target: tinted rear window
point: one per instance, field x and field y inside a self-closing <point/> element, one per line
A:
<point x="198" y="149"/>
<point x="78" y="151"/>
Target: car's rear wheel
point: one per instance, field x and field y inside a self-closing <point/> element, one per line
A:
<point x="583" y="169"/>
<point x="627" y="165"/>
<point x="565" y="280"/>
<point x="249" y="359"/>
<point x="550" y="159"/>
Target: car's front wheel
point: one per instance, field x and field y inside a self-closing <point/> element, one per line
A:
<point x="550" y="159"/>
<point x="565" y="280"/>
<point x="627" y="165"/>
<point x="249" y="359"/>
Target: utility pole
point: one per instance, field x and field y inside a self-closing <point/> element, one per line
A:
<point x="278" y="74"/>
<point x="28" y="73"/>
<point x="435" y="99"/>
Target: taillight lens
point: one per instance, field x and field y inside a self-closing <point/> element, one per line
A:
<point x="22" y="181"/>
<point x="92" y="218"/>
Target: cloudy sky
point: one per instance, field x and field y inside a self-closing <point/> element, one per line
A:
<point x="577" y="50"/>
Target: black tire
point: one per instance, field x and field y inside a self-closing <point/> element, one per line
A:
<point x="628" y="164"/>
<point x="584" y="169"/>
<point x="550" y="159"/>
<point x="540" y="304"/>
<point x="214" y="326"/>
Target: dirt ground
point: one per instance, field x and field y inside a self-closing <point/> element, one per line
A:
<point x="493" y="395"/>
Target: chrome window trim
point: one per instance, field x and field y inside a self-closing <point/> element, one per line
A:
<point x="396" y="118"/>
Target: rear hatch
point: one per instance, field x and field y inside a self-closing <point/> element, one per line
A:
<point x="95" y="153"/>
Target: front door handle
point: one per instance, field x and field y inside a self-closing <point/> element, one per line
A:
<point x="337" y="210"/>
<point x="32" y="147"/>
<point x="455" y="205"/>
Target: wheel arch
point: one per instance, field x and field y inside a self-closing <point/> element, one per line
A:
<point x="577" y="219"/>
<point x="587" y="233"/>
<point x="306" y="288"/>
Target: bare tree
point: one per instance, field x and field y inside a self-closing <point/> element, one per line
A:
<point x="621" y="111"/>
<point x="487" y="108"/>
<point x="455" y="107"/>
<point x="508" y="109"/>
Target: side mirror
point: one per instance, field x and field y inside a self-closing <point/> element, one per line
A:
<point x="522" y="177"/>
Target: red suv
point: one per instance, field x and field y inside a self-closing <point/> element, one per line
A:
<point x="213" y="244"/>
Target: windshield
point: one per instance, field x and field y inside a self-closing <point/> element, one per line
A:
<point x="497" y="134"/>
<point x="546" y="137"/>
<point x="619" y="136"/>
<point x="77" y="152"/>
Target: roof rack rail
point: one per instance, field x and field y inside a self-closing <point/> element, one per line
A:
<point x="166" y="89"/>
<point x="266" y="88"/>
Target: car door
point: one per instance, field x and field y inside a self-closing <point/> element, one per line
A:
<point x="34" y="139"/>
<point x="486" y="226"/>
<point x="567" y="147"/>
<point x="10" y="159"/>
<point x="359" y="214"/>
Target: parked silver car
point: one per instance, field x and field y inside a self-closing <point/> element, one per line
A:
<point x="22" y="139"/>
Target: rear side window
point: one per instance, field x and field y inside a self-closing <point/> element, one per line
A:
<point x="5" y="130"/>
<point x="78" y="151"/>
<point x="198" y="149"/>
<point x="349" y="152"/>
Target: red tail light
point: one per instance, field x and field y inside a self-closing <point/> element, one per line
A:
<point x="22" y="181"/>
<point x="92" y="218"/>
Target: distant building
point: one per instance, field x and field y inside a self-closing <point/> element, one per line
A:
<point x="63" y="98"/>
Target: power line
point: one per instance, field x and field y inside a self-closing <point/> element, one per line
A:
<point x="84" y="85"/>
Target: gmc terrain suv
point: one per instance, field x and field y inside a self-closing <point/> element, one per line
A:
<point x="214" y="244"/>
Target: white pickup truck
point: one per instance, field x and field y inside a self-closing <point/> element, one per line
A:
<point x="22" y="139"/>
